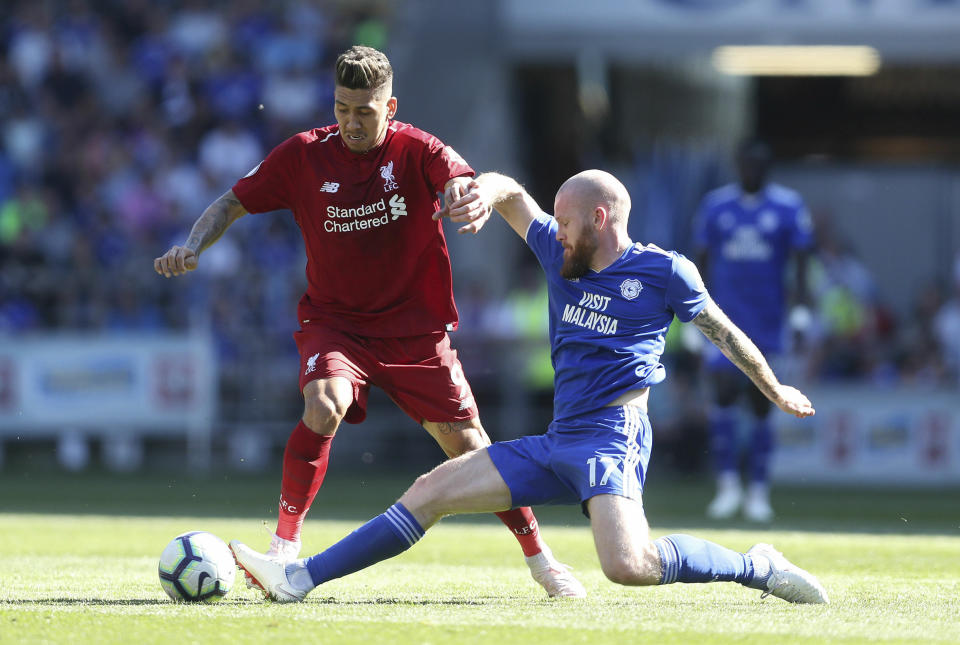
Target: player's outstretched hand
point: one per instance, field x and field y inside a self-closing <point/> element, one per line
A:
<point x="793" y="401"/>
<point x="471" y="207"/>
<point x="178" y="260"/>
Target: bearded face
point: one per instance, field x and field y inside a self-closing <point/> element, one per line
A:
<point x="576" y="260"/>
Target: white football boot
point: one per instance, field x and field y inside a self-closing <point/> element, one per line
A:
<point x="282" y="550"/>
<point x="553" y="576"/>
<point x="729" y="497"/>
<point x="267" y="573"/>
<point x="756" y="505"/>
<point x="788" y="581"/>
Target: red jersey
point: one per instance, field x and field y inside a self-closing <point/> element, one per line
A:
<point x="377" y="263"/>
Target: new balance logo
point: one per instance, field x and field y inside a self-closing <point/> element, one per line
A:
<point x="398" y="207"/>
<point x="329" y="187"/>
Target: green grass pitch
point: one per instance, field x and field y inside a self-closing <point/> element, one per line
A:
<point x="80" y="566"/>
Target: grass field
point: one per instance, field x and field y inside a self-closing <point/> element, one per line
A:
<point x="78" y="558"/>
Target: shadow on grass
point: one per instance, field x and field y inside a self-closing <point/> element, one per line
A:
<point x="124" y="602"/>
<point x="91" y="602"/>
<point x="425" y="602"/>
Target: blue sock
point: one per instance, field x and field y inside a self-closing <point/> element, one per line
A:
<point x="383" y="537"/>
<point x="689" y="559"/>
<point x="761" y="445"/>
<point x="723" y="438"/>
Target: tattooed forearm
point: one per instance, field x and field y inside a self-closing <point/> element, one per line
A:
<point x="736" y="346"/>
<point x="215" y="220"/>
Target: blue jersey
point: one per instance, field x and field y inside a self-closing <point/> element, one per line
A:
<point x="749" y="241"/>
<point x="607" y="328"/>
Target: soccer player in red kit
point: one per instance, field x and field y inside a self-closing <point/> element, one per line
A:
<point x="379" y="300"/>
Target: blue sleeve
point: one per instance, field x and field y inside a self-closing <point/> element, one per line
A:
<point x="686" y="295"/>
<point x="701" y="236"/>
<point x="801" y="229"/>
<point x="542" y="240"/>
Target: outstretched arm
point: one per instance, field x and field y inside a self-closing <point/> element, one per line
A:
<point x="206" y="230"/>
<point x="492" y="191"/>
<point x="738" y="348"/>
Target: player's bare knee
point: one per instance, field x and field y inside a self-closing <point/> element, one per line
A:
<point x="323" y="412"/>
<point x="422" y="500"/>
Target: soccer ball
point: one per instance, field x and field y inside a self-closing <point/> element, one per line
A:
<point x="197" y="566"/>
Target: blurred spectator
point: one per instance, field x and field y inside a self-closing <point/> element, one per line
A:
<point x="853" y="329"/>
<point x="228" y="152"/>
<point x="119" y="122"/>
<point x="946" y="327"/>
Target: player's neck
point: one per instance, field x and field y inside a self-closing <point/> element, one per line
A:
<point x="752" y="197"/>
<point x="609" y="253"/>
<point x="373" y="148"/>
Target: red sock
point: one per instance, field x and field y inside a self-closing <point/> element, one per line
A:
<point x="524" y="527"/>
<point x="304" y="465"/>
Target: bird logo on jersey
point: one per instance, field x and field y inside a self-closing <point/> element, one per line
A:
<point x="389" y="182"/>
<point x="630" y="288"/>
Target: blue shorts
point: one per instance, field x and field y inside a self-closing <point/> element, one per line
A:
<point x="602" y="452"/>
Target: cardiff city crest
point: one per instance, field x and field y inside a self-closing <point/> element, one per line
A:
<point x="630" y="288"/>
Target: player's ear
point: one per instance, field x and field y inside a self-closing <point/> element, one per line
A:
<point x="391" y="107"/>
<point x="600" y="218"/>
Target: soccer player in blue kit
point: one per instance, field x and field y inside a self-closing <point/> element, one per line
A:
<point x="747" y="233"/>
<point x="611" y="301"/>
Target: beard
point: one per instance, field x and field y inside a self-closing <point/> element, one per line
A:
<point x="577" y="263"/>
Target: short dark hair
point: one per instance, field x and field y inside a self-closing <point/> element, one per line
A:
<point x="754" y="150"/>
<point x="363" y="68"/>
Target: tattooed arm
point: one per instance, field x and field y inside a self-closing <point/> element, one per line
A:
<point x="744" y="354"/>
<point x="206" y="230"/>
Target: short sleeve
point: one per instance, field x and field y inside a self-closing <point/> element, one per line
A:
<point x="268" y="186"/>
<point x="443" y="163"/>
<point x="701" y="237"/>
<point x="801" y="234"/>
<point x="542" y="239"/>
<point x="686" y="294"/>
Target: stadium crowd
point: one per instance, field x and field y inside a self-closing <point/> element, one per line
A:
<point x="122" y="120"/>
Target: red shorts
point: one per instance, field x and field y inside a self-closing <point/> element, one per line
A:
<point x="422" y="374"/>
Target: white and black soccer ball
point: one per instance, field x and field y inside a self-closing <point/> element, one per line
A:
<point x="197" y="566"/>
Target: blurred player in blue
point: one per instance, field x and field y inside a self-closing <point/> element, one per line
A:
<point x="747" y="233"/>
<point x="611" y="301"/>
